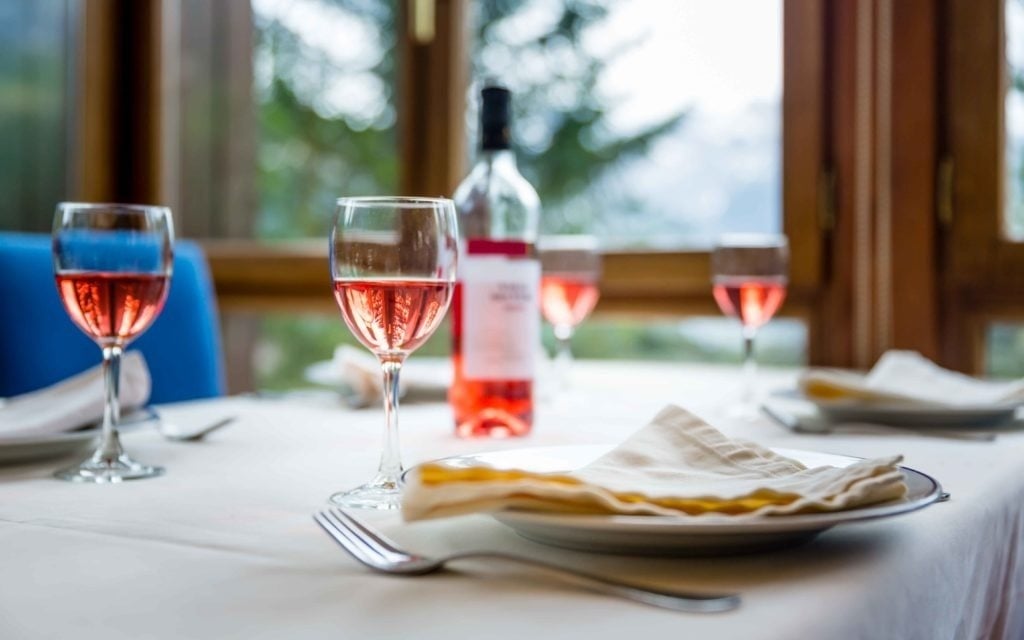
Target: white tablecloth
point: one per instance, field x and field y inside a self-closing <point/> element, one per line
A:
<point x="223" y="546"/>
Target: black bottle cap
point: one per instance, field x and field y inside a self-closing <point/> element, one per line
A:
<point x="495" y="116"/>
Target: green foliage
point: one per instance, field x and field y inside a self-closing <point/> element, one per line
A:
<point x="564" y="140"/>
<point x="310" y="154"/>
<point x="34" y="95"/>
<point x="291" y="342"/>
<point x="1005" y="350"/>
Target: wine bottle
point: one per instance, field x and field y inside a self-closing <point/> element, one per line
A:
<point x="495" y="309"/>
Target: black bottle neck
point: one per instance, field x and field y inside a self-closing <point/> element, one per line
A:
<point x="494" y="137"/>
<point x="495" y="116"/>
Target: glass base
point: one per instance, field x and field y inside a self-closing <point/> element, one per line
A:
<point x="100" y="471"/>
<point x="380" y="493"/>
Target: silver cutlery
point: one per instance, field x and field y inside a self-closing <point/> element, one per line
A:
<point x="198" y="434"/>
<point x="822" y="427"/>
<point x="170" y="431"/>
<point x="380" y="554"/>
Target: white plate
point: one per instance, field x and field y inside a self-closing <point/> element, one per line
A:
<point x="910" y="415"/>
<point x="31" y="448"/>
<point x="683" y="535"/>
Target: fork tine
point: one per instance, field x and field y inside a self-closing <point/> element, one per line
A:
<point x="373" y="538"/>
<point x="348" y="540"/>
<point x="367" y="538"/>
<point x="374" y="553"/>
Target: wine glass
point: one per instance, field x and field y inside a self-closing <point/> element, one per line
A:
<point x="393" y="263"/>
<point x="112" y="264"/>
<point x="749" y="280"/>
<point x="571" y="270"/>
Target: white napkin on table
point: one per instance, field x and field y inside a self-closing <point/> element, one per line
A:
<point x="74" y="402"/>
<point x="362" y="373"/>
<point x="676" y="465"/>
<point x="907" y="377"/>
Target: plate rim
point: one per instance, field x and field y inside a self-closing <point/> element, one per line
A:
<point x="922" y="409"/>
<point x="66" y="436"/>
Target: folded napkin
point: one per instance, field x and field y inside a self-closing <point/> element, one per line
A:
<point x="362" y="373"/>
<point x="74" y="402"/>
<point x="907" y="377"/>
<point x="676" y="465"/>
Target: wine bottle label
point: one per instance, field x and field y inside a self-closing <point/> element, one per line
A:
<point x="500" y="310"/>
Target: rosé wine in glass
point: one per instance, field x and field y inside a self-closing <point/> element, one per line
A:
<point x="566" y="299"/>
<point x="112" y="265"/>
<point x="752" y="300"/>
<point x="571" y="269"/>
<point x="748" y="281"/>
<point x="112" y="308"/>
<point x="393" y="266"/>
<point x="392" y="316"/>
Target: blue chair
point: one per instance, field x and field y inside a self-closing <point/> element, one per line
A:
<point x="39" y="345"/>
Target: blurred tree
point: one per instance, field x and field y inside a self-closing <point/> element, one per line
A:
<point x="315" y="142"/>
<point x="563" y="138"/>
<point x="312" y="149"/>
<point x="34" y="96"/>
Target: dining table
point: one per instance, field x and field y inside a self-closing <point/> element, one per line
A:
<point x="224" y="544"/>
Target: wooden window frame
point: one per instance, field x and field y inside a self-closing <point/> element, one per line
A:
<point x="983" y="277"/>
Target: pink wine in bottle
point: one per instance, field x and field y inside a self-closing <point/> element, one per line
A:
<point x="496" y="308"/>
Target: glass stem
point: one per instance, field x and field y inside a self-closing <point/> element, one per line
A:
<point x="563" y="355"/>
<point x="390" y="459"/>
<point x="110" y="445"/>
<point x="749" y="365"/>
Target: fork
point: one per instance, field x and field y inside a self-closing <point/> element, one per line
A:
<point x="198" y="434"/>
<point x="377" y="552"/>
<point x="149" y="414"/>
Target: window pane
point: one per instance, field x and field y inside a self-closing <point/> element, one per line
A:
<point x="1014" y="208"/>
<point x="680" y="159"/>
<point x="647" y="122"/>
<point x="289" y="344"/>
<point x="1004" y="350"/>
<point x="34" y="95"/>
<point x="325" y="87"/>
<point x="782" y="342"/>
<point x="284" y="106"/>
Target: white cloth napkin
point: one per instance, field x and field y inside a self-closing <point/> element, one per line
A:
<point x="676" y="465"/>
<point x="74" y="402"/>
<point x="362" y="374"/>
<point x="907" y="377"/>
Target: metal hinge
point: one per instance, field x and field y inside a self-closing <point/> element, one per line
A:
<point x="827" y="199"/>
<point x="421" y="21"/>
<point x="944" y="192"/>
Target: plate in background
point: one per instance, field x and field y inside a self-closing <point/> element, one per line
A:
<point x="908" y="415"/>
<point x="31" y="448"/>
